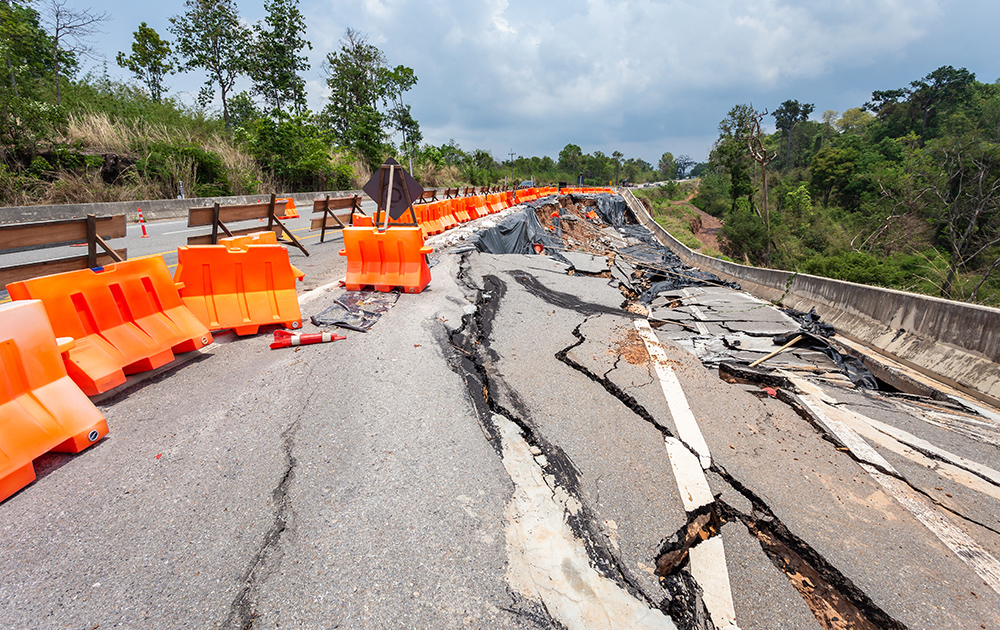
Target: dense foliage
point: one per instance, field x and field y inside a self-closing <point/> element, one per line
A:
<point x="901" y="191"/>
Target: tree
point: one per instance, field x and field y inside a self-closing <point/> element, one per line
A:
<point x="361" y="85"/>
<point x="682" y="164"/>
<point x="760" y="155"/>
<point x="666" y="166"/>
<point x="786" y="116"/>
<point x="276" y="61"/>
<point x="570" y="159"/>
<point x="211" y="36"/>
<point x="854" y="121"/>
<point x="149" y="61"/>
<point x="924" y="98"/>
<point x="617" y="157"/>
<point x="25" y="46"/>
<point x="939" y="88"/>
<point x="965" y="182"/>
<point x="70" y="31"/>
<point x="731" y="153"/>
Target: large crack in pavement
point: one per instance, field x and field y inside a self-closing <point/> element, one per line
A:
<point x="830" y="595"/>
<point x="586" y="585"/>
<point x="242" y="611"/>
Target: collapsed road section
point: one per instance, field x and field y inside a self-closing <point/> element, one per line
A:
<point x="563" y="430"/>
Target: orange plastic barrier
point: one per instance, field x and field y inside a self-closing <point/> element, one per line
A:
<point x="432" y="219"/>
<point x="445" y="214"/>
<point x="290" y="211"/>
<point x="393" y="258"/>
<point x="239" y="289"/>
<point x="458" y="210"/>
<point x="41" y="408"/>
<point x="125" y="318"/>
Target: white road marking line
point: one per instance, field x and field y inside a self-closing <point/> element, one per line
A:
<point x="708" y="558"/>
<point x="963" y="546"/>
<point x="687" y="426"/>
<point x="180" y="231"/>
<point x="981" y="561"/>
<point x="923" y="445"/>
<point x="318" y="291"/>
<point x="691" y="481"/>
<point x="708" y="567"/>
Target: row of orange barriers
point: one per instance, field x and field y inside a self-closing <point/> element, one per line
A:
<point x="438" y="216"/>
<point x="70" y="335"/>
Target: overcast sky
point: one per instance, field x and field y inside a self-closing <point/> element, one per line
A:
<point x="637" y="76"/>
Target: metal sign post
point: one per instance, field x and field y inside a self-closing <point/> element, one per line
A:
<point x="394" y="194"/>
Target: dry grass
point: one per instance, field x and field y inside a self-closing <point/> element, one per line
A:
<point x="99" y="133"/>
<point x="436" y="176"/>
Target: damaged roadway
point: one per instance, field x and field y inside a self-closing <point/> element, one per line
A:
<point x="493" y="455"/>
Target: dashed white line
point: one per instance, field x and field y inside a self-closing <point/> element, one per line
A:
<point x="707" y="558"/>
<point x="687" y="426"/>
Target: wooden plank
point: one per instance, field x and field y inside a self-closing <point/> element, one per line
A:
<point x="317" y="223"/>
<point x="16" y="273"/>
<point x="336" y="203"/>
<point x="21" y="235"/>
<point x="206" y="239"/>
<point x="227" y="214"/>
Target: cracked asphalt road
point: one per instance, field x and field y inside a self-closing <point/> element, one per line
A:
<point x="492" y="455"/>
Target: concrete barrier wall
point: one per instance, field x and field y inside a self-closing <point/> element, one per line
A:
<point x="954" y="342"/>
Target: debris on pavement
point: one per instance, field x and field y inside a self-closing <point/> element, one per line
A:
<point x="356" y="310"/>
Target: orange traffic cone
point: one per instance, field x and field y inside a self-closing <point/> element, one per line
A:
<point x="142" y="223"/>
<point x="284" y="338"/>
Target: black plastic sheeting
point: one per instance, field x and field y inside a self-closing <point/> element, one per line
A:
<point x="659" y="268"/>
<point x="356" y="310"/>
<point x="518" y="234"/>
<point x="613" y="209"/>
<point x="814" y="336"/>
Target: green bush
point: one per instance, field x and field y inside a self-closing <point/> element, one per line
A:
<point x="744" y="234"/>
<point x="169" y="163"/>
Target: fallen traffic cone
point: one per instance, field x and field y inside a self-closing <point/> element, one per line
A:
<point x="142" y="223"/>
<point x="284" y="338"/>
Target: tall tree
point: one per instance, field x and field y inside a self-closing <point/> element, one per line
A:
<point x="682" y="164"/>
<point x="939" y="90"/>
<point x="760" y="155"/>
<point x="70" y="31"/>
<point x="277" y="61"/>
<point x="666" y="166"/>
<point x="26" y="48"/>
<point x="617" y="157"/>
<point x="786" y="116"/>
<point x="570" y="159"/>
<point x="211" y="36"/>
<point x="150" y="60"/>
<point x="361" y="86"/>
<point x="731" y="152"/>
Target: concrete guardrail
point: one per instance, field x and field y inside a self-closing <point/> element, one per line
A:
<point x="954" y="342"/>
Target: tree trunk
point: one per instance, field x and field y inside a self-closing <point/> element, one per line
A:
<point x="55" y="55"/>
<point x="972" y="298"/>
<point x="13" y="79"/>
<point x="946" y="287"/>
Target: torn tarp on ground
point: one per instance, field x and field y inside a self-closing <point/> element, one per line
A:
<point x="356" y="310"/>
<point x="518" y="234"/>
<point x="613" y="210"/>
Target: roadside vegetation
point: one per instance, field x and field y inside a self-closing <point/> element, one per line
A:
<point x="901" y="192"/>
<point x="670" y="206"/>
<point x="70" y="137"/>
